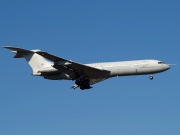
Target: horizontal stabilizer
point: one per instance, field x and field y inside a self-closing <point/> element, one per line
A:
<point x="19" y="51"/>
<point x="16" y="49"/>
<point x="36" y="61"/>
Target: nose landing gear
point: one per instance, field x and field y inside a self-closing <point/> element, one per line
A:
<point x="151" y="77"/>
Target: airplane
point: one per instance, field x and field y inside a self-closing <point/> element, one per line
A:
<point x="52" y="67"/>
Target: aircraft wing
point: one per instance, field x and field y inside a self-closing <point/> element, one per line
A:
<point x="85" y="70"/>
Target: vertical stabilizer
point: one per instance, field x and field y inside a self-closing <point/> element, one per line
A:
<point x="36" y="61"/>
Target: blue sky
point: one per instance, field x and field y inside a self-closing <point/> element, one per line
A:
<point x="87" y="32"/>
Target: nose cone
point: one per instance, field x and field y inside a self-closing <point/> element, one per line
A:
<point x="167" y="67"/>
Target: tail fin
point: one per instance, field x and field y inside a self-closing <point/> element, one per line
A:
<point x="36" y="61"/>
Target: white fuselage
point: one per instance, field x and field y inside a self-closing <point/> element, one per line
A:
<point x="137" y="67"/>
<point x="122" y="68"/>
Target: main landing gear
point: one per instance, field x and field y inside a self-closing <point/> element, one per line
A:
<point x="83" y="84"/>
<point x="151" y="77"/>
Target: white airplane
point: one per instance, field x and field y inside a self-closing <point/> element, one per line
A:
<point x="55" y="68"/>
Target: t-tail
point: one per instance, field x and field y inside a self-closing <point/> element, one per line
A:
<point x="36" y="61"/>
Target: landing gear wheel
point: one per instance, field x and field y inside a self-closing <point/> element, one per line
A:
<point x="83" y="83"/>
<point x="82" y="87"/>
<point x="151" y="77"/>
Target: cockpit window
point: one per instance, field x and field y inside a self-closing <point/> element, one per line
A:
<point x="160" y="62"/>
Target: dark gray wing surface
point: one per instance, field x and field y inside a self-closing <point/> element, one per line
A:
<point x="76" y="67"/>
